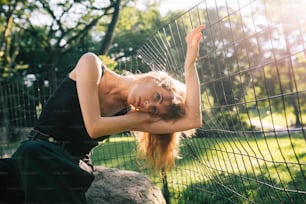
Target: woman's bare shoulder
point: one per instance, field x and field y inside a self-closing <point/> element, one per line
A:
<point x="88" y="64"/>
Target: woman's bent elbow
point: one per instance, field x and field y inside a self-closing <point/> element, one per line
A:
<point x="197" y="121"/>
<point x="93" y="133"/>
<point x="198" y="124"/>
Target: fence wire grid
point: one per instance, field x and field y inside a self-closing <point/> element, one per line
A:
<point x="252" y="68"/>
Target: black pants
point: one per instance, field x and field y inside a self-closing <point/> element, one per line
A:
<point x="45" y="174"/>
<point x="10" y="186"/>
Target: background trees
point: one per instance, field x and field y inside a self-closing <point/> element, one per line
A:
<point x="45" y="38"/>
<point x="41" y="41"/>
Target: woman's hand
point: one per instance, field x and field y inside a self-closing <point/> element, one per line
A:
<point x="193" y="39"/>
<point x="144" y="117"/>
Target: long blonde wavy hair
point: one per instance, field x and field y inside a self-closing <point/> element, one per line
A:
<point x="161" y="150"/>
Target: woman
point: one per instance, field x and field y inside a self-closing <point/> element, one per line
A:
<point x="93" y="102"/>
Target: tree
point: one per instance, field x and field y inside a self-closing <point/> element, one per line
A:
<point x="10" y="37"/>
<point x="42" y="34"/>
<point x="64" y="25"/>
<point x="108" y="39"/>
<point x="134" y="28"/>
<point x="284" y="40"/>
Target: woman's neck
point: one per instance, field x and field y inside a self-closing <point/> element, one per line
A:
<point x="116" y="86"/>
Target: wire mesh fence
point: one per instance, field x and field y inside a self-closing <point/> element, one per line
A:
<point x="252" y="68"/>
<point x="252" y="72"/>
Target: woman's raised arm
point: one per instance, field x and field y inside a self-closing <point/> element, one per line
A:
<point x="193" y="115"/>
<point x="193" y="92"/>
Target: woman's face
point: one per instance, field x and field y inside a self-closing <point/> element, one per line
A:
<point x="148" y="97"/>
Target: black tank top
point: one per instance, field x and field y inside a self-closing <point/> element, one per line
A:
<point x="61" y="118"/>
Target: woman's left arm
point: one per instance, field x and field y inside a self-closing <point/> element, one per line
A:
<point x="193" y="113"/>
<point x="193" y="92"/>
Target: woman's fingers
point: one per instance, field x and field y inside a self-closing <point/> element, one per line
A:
<point x="201" y="27"/>
<point x="193" y="39"/>
<point x="195" y="35"/>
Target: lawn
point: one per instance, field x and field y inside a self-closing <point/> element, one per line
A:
<point x="224" y="170"/>
<point x="221" y="169"/>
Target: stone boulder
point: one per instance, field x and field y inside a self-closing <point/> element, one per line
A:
<point x="114" y="186"/>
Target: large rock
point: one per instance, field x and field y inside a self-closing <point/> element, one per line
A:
<point x="114" y="186"/>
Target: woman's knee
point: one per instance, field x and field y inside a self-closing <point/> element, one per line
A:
<point x="31" y="149"/>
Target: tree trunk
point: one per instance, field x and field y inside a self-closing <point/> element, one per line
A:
<point x="107" y="41"/>
<point x="297" y="116"/>
<point x="51" y="74"/>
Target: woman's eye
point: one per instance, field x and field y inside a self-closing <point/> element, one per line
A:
<point x="154" y="110"/>
<point x="157" y="97"/>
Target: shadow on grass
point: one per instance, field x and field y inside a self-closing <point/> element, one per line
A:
<point x="231" y="189"/>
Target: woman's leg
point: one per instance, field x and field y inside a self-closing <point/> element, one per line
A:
<point x="10" y="187"/>
<point x="48" y="174"/>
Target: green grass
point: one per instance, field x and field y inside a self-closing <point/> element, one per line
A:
<point x="228" y="162"/>
<point x="116" y="152"/>
<point x="7" y="149"/>
<point x="214" y="167"/>
<point x="278" y="118"/>
<point x="216" y="170"/>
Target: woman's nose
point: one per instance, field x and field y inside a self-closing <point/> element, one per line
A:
<point x="147" y="104"/>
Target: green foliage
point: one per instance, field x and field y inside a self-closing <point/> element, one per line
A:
<point x="228" y="120"/>
<point x="46" y="45"/>
<point x="134" y="28"/>
<point x="51" y="47"/>
<point x="108" y="61"/>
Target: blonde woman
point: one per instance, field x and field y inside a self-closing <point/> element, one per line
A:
<point x="91" y="103"/>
